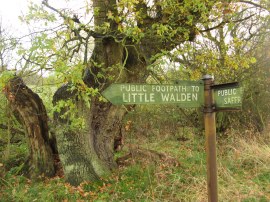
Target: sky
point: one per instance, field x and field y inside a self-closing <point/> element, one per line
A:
<point x="9" y="12"/>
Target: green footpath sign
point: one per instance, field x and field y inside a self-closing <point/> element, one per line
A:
<point x="185" y="93"/>
<point x="228" y="97"/>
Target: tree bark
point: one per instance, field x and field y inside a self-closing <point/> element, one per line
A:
<point x="88" y="154"/>
<point x="29" y="109"/>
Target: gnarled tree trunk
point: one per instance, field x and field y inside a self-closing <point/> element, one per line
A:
<point x="30" y="111"/>
<point x="88" y="154"/>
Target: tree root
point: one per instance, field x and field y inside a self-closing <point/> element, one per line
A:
<point x="138" y="154"/>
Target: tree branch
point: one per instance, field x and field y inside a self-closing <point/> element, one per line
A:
<point x="254" y="4"/>
<point x="75" y="19"/>
<point x="225" y="22"/>
<point x="45" y="3"/>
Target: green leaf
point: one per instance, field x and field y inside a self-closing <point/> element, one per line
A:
<point x="5" y="77"/>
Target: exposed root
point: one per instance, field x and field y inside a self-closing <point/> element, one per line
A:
<point x="138" y="154"/>
<point x="58" y="166"/>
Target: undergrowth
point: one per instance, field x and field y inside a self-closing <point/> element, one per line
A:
<point x="243" y="174"/>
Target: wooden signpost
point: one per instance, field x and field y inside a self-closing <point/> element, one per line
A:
<point x="186" y="94"/>
<point x="210" y="138"/>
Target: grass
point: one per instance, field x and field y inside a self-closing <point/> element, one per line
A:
<point x="245" y="171"/>
<point x="243" y="175"/>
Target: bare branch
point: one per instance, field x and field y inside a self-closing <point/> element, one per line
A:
<point x="76" y="20"/>
<point x="225" y="22"/>
<point x="45" y="3"/>
<point x="254" y="4"/>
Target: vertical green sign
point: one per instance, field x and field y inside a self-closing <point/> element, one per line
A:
<point x="228" y="97"/>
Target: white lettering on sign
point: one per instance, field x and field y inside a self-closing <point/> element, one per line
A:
<point x="168" y="88"/>
<point x="133" y="88"/>
<point x="140" y="93"/>
<point x="138" y="97"/>
<point x="195" y="88"/>
<point x="227" y="92"/>
<point x="232" y="100"/>
<point x="179" y="97"/>
<point x="229" y="96"/>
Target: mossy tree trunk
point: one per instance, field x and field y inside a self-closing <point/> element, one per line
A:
<point x="30" y="111"/>
<point x="88" y="154"/>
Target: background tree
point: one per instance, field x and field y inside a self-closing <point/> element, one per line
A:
<point x="229" y="52"/>
<point x="8" y="126"/>
<point x="7" y="44"/>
